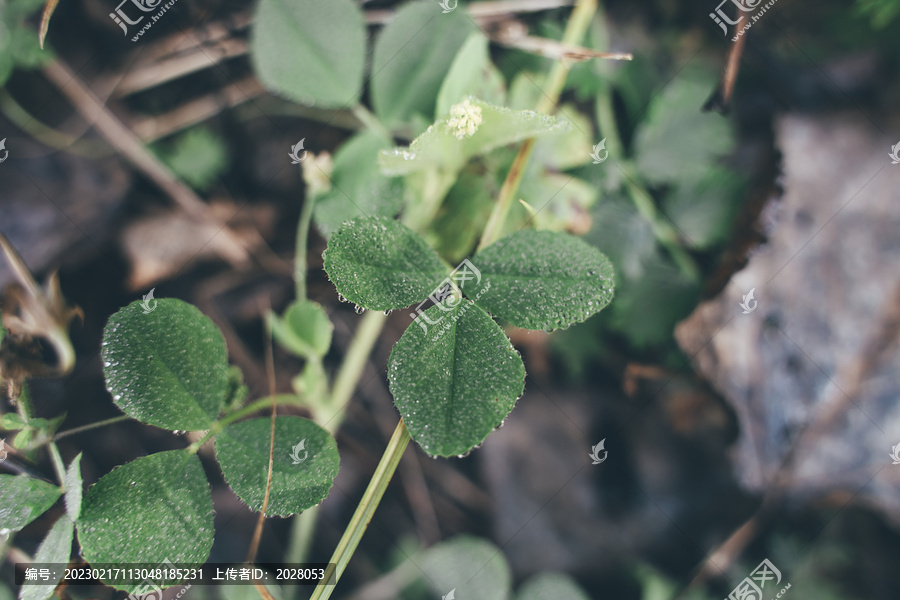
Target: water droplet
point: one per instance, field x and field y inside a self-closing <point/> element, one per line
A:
<point x="359" y="310"/>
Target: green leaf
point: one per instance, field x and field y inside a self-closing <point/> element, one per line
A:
<point x="381" y="264"/>
<point x="311" y="51"/>
<point x="11" y="422"/>
<point x="542" y="280"/>
<point x="150" y="510"/>
<point x="471" y="74"/>
<point x="440" y="149"/>
<point x="551" y="586"/>
<point x="408" y="66"/>
<point x="703" y="209"/>
<point x="358" y="188"/>
<point x="305" y="329"/>
<point x="167" y="367"/>
<point x="474" y="567"/>
<point x="678" y="141"/>
<point x="197" y="156"/>
<point x="455" y="377"/>
<point x="243" y="453"/>
<point x="23" y="499"/>
<point x="73" y="488"/>
<point x="56" y="548"/>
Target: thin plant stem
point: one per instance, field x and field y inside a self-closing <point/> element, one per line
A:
<point x="370" y="121"/>
<point x="662" y="230"/>
<point x="351" y="369"/>
<point x="579" y="22"/>
<point x="89" y="426"/>
<point x="230" y="418"/>
<point x="303" y="224"/>
<point x="364" y="511"/>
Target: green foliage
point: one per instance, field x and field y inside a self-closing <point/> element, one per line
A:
<point x="441" y="147"/>
<point x="23" y="499"/>
<point x="678" y="142"/>
<point x="311" y="51"/>
<point x="166" y="368"/>
<point x="357" y="187"/>
<point x="243" y="453"/>
<point x="305" y="329"/>
<point x="471" y="74"/>
<point x="408" y="67"/>
<point x="56" y="548"/>
<point x="19" y="47"/>
<point x="74" y="488"/>
<point x="551" y="586"/>
<point x="380" y="264"/>
<point x="543" y="280"/>
<point x="475" y="568"/>
<point x="455" y="381"/>
<point x="196" y="156"/>
<point x="881" y="12"/>
<point x="149" y="510"/>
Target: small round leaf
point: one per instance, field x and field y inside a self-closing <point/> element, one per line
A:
<point x="151" y="510"/>
<point x="474" y="567"/>
<point x="305" y="329"/>
<point x="381" y="264"/>
<point x="166" y="367"/>
<point x="304" y="464"/>
<point x="542" y="280"/>
<point x="455" y="380"/>
<point x="312" y="51"/>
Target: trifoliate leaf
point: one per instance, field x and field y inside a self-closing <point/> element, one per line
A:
<point x="455" y="377"/>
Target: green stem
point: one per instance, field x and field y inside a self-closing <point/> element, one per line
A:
<point x="88" y="427"/>
<point x="58" y="464"/>
<point x="364" y="511"/>
<point x="579" y="22"/>
<point x="351" y="369"/>
<point x="370" y="121"/>
<point x="301" y="538"/>
<point x="300" y="251"/>
<point x="662" y="229"/>
<point x="230" y="418"/>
